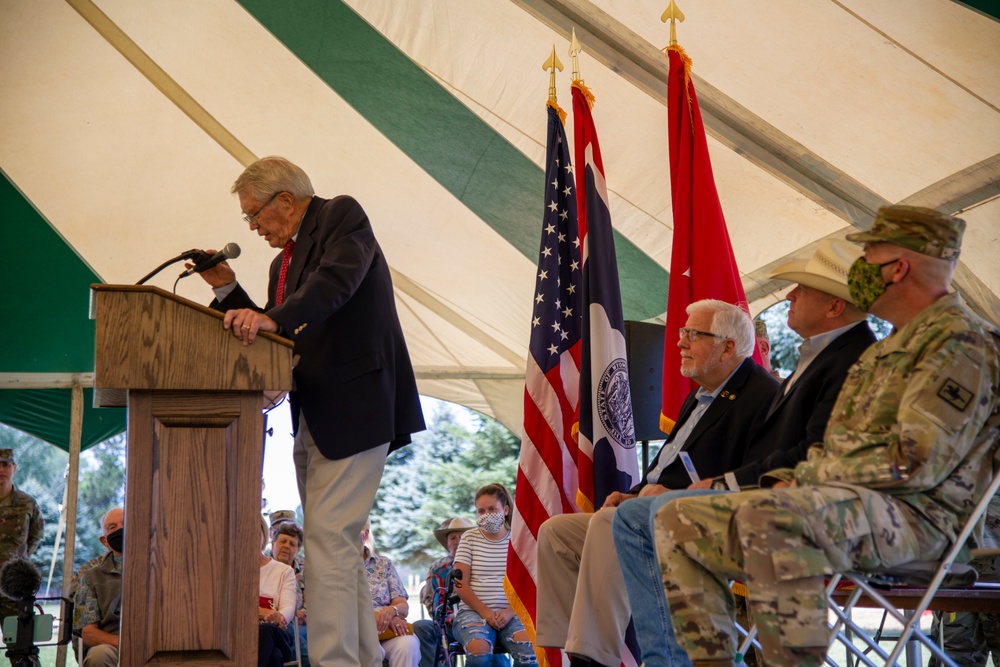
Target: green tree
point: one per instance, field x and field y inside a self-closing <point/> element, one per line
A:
<point x="41" y="472"/>
<point x="436" y="478"/>
<point x="101" y="488"/>
<point x="785" y="342"/>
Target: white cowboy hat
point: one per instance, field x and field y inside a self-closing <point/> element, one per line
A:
<point x="826" y="270"/>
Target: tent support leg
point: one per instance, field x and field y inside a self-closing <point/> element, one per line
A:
<point x="75" y="439"/>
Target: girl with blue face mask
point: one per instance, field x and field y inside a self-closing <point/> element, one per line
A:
<point x="484" y="619"/>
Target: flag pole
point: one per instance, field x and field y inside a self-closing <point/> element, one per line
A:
<point x="574" y="52"/>
<point x="672" y="14"/>
<point x="552" y="64"/>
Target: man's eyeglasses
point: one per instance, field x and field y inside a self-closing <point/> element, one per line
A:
<point x="694" y="334"/>
<point x="251" y="218"/>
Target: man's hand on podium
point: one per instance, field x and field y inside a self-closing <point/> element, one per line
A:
<point x="245" y="323"/>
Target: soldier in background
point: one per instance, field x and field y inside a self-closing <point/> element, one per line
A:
<point x="898" y="470"/>
<point x="971" y="638"/>
<point x="764" y="345"/>
<point x="20" y="522"/>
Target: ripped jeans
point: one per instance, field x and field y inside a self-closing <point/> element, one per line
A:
<point x="470" y="626"/>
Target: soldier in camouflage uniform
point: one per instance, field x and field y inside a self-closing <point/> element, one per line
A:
<point x="900" y="467"/>
<point x="20" y="521"/>
<point x="97" y="608"/>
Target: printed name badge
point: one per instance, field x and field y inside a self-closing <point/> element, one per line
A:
<point x="689" y="466"/>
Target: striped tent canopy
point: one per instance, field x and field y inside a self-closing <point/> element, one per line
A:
<point x="124" y="123"/>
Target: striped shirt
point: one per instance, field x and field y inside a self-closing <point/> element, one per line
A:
<point x="487" y="560"/>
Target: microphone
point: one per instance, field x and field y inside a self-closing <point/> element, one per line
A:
<point x="20" y="579"/>
<point x="231" y="251"/>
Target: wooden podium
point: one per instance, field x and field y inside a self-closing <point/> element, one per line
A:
<point x="193" y="482"/>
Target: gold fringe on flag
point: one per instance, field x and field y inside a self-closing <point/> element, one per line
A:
<point x="686" y="59"/>
<point x="589" y="96"/>
<point x="559" y="110"/>
<point x="522" y="611"/>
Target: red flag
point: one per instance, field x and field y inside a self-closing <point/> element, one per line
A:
<point x="546" y="472"/>
<point x="702" y="265"/>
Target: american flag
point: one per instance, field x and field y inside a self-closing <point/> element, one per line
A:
<point x="546" y="473"/>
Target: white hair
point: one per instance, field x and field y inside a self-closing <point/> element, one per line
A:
<point x="728" y="321"/>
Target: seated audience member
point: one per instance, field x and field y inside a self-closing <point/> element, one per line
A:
<point x="835" y="333"/>
<point x="435" y="596"/>
<point x="484" y="617"/>
<point x="286" y="540"/>
<point x="764" y="345"/>
<point x="98" y="603"/>
<point x="901" y="464"/>
<point x="389" y="601"/>
<point x="582" y="602"/>
<point x="278" y="597"/>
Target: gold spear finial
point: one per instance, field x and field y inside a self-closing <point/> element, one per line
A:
<point x="574" y="52"/>
<point x="552" y="64"/>
<point x="672" y="14"/>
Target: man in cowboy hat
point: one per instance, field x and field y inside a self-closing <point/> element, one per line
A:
<point x="434" y="595"/>
<point x="835" y="334"/>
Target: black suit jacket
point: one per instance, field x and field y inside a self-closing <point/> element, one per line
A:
<point x="720" y="438"/>
<point x="353" y="381"/>
<point x="797" y="420"/>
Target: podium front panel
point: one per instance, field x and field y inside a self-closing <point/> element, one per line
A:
<point x="192" y="514"/>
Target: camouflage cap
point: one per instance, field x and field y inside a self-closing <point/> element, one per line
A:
<point x="7" y="455"/>
<point x="916" y="228"/>
<point x="761" y="330"/>
<point x="281" y="515"/>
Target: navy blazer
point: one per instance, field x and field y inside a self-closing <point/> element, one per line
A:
<point x="719" y="440"/>
<point x="353" y="380"/>
<point x="797" y="420"/>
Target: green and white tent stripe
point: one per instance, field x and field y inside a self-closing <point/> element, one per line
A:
<point x="125" y="122"/>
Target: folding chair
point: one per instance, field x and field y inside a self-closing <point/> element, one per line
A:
<point x="930" y="577"/>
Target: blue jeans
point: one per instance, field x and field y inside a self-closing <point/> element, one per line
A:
<point x="469" y="626"/>
<point x="632" y="528"/>
<point x="430" y="642"/>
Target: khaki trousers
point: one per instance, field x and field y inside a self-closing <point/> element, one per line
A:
<point x="582" y="601"/>
<point x="337" y="497"/>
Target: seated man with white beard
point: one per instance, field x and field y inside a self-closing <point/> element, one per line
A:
<point x="582" y="602"/>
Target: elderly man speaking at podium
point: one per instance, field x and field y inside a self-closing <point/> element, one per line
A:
<point x="354" y="396"/>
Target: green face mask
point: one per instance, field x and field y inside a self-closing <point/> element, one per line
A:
<point x="865" y="283"/>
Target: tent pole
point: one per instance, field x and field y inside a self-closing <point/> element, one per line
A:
<point x="75" y="439"/>
<point x="59" y="532"/>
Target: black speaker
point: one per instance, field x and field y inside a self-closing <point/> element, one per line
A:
<point x="644" y="345"/>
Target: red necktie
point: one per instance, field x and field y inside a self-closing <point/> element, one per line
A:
<point x="286" y="257"/>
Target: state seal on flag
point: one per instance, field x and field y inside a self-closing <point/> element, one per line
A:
<point x="614" y="404"/>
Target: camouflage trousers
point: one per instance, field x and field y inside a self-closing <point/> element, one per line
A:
<point x="782" y="544"/>
<point x="969" y="638"/>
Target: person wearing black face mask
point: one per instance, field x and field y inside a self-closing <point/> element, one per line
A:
<point x="97" y="613"/>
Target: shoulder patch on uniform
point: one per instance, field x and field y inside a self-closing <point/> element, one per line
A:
<point x="955" y="395"/>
